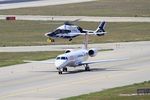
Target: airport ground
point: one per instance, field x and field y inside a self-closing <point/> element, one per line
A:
<point x="11" y="4"/>
<point x="38" y="81"/>
<point x="120" y="93"/>
<point x="41" y="81"/>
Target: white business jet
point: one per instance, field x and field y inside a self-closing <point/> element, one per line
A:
<point x="75" y="58"/>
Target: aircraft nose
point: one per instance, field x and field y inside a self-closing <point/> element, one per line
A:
<point x="60" y="63"/>
<point x="48" y="34"/>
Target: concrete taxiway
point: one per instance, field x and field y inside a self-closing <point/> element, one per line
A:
<point x="34" y="81"/>
<point x="11" y="4"/>
<point x="82" y="18"/>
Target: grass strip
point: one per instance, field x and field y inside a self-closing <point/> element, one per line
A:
<point x="114" y="93"/>
<point x="13" y="58"/>
<point x="26" y="33"/>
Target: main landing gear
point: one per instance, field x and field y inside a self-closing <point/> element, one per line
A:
<point x="70" y="39"/>
<point x="65" y="69"/>
<point x="59" y="72"/>
<point x="87" y="68"/>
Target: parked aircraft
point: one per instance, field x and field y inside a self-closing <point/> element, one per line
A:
<point x="69" y="31"/>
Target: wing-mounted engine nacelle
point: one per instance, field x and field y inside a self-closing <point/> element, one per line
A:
<point x="68" y="50"/>
<point x="92" y="52"/>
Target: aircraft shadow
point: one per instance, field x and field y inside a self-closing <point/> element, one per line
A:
<point x="92" y="70"/>
<point x="45" y="71"/>
<point x="82" y="70"/>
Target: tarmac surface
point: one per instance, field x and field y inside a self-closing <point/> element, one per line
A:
<point x="34" y="81"/>
<point x="82" y="18"/>
<point x="12" y="4"/>
<point x="14" y="1"/>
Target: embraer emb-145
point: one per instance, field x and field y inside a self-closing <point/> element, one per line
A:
<point x="69" y="31"/>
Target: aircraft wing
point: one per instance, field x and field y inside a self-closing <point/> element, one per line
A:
<point x="45" y="62"/>
<point x="100" y="61"/>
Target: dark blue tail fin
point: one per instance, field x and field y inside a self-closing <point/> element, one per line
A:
<point x="101" y="27"/>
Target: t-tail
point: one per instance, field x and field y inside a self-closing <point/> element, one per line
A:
<point x="101" y="29"/>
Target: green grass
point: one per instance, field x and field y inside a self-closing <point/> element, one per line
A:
<point x="121" y="32"/>
<point x="18" y="33"/>
<point x="22" y="33"/>
<point x="17" y="58"/>
<point x="113" y="94"/>
<point x="94" y="8"/>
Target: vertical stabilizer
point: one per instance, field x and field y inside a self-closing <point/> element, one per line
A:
<point x="101" y="27"/>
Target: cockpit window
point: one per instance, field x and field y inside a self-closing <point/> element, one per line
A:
<point x="58" y="58"/>
<point x="63" y="58"/>
<point x="61" y="31"/>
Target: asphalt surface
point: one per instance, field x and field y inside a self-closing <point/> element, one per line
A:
<point x="12" y="4"/>
<point x="14" y="1"/>
<point x="64" y="47"/>
<point x="82" y="18"/>
<point x="54" y="47"/>
<point x="34" y="81"/>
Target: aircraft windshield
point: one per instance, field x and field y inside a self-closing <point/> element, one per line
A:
<point x="62" y="58"/>
<point x="61" y="31"/>
<point x="58" y="58"/>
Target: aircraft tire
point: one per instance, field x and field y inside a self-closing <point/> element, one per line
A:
<point x="60" y="72"/>
<point x="64" y="69"/>
<point x="87" y="68"/>
<point x="70" y="39"/>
